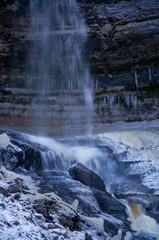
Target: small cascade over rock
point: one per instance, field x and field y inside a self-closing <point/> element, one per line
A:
<point x="123" y="163"/>
<point x="142" y="222"/>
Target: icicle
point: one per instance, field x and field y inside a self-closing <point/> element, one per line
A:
<point x="118" y="99"/>
<point x="111" y="101"/>
<point x="149" y="74"/>
<point x="136" y="80"/>
<point x="127" y="99"/>
<point x="134" y="101"/>
<point x="96" y="84"/>
<point x="104" y="101"/>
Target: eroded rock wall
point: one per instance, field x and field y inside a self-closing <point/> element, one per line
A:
<point x="123" y="37"/>
<point x="122" y="49"/>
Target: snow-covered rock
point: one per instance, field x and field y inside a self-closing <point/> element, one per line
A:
<point x="20" y="216"/>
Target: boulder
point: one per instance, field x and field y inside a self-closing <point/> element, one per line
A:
<point x="32" y="159"/>
<point x="106" y="202"/>
<point x="86" y="176"/>
<point x="15" y="153"/>
<point x="110" y="205"/>
<point x="69" y="190"/>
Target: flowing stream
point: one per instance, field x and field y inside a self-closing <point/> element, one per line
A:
<point x="127" y="162"/>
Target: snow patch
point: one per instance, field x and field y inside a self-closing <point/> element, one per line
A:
<point x="5" y="142"/>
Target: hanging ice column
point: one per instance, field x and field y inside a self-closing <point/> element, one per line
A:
<point x="55" y="59"/>
<point x="136" y="80"/>
<point x="149" y="74"/>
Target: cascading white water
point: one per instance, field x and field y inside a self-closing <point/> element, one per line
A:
<point x="60" y="156"/>
<point x="141" y="222"/>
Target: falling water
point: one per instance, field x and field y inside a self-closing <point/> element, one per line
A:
<point x="55" y="61"/>
<point x="59" y="34"/>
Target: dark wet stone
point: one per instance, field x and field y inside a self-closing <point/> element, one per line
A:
<point x="45" y="207"/>
<point x="32" y="159"/>
<point x="86" y="176"/>
<point x="110" y="205"/>
<point x="9" y="157"/>
<point x="111" y="227"/>
<point x="106" y="202"/>
<point x="22" y="154"/>
<point x="11" y="187"/>
<point x="69" y="190"/>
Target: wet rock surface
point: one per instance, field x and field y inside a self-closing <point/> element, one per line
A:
<point x="69" y="189"/>
<point x="123" y="37"/>
<point x="87" y="204"/>
<point x="34" y="215"/>
<point x="20" y="154"/>
<point x="79" y="204"/>
<point x="105" y="201"/>
<point x="86" y="176"/>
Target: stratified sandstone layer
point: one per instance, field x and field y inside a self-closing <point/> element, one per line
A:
<point x="122" y="49"/>
<point x="123" y="37"/>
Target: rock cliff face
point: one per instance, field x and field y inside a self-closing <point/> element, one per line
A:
<point x="122" y="47"/>
<point x="123" y="37"/>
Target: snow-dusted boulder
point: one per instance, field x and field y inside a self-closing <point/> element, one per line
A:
<point x="15" y="153"/>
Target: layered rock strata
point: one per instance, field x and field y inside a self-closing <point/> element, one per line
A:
<point x="123" y="53"/>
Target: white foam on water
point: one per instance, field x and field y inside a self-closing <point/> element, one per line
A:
<point x="141" y="222"/>
<point x="63" y="155"/>
<point x="139" y="149"/>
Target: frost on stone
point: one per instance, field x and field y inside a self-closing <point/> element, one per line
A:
<point x="5" y="142"/>
<point x="25" y="212"/>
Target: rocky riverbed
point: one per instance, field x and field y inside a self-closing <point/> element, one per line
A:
<point x="40" y="201"/>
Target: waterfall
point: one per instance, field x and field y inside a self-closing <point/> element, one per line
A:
<point x="59" y="34"/>
<point x="56" y="64"/>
